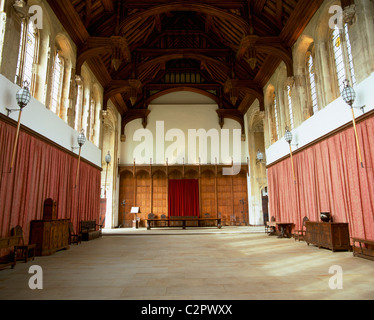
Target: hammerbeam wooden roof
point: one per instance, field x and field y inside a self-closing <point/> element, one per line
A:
<point x="141" y="49"/>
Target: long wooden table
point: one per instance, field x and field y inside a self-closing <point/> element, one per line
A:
<point x="285" y="228"/>
<point x="166" y="222"/>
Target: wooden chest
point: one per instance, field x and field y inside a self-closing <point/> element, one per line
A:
<point x="49" y="236"/>
<point x="333" y="236"/>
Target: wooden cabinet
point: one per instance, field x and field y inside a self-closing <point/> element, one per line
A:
<point x="49" y="236"/>
<point x="333" y="236"/>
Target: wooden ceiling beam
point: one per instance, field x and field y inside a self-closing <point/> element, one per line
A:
<point x="186" y="6"/>
<point x="162" y="52"/>
<point x="299" y="19"/>
<point x="258" y="6"/>
<point x="88" y="13"/>
<point x="70" y="19"/>
<point x="279" y="13"/>
<point x="166" y="86"/>
<point x="108" y="5"/>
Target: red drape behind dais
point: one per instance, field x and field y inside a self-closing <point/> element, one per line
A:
<point x="184" y="198"/>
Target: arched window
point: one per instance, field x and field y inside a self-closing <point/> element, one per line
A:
<point x="275" y="119"/>
<point x="342" y="56"/>
<point x="289" y="96"/>
<point x="312" y="90"/>
<point x="57" y="81"/>
<point x="28" y="53"/>
<point x="91" y="125"/>
<point x="78" y="105"/>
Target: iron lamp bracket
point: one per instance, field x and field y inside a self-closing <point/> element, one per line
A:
<point x="12" y="110"/>
<point x="362" y="108"/>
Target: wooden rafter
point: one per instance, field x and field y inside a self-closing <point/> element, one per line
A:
<point x="217" y="36"/>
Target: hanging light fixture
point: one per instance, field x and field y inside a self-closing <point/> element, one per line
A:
<point x="23" y="98"/>
<point x="259" y="157"/>
<point x="81" y="139"/>
<point x="108" y="159"/>
<point x="289" y="137"/>
<point x="349" y="97"/>
<point x="135" y="86"/>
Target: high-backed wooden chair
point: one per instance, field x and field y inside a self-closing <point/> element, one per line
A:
<point x="163" y="223"/>
<point x="24" y="252"/>
<point x="300" y="234"/>
<point x="74" y="237"/>
<point x="152" y="216"/>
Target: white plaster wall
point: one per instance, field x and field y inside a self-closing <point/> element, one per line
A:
<point x="194" y="113"/>
<point x="333" y="116"/>
<point x="43" y="121"/>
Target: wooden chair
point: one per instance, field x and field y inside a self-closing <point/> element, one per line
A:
<point x="74" y="237"/>
<point x="24" y="252"/>
<point x="300" y="234"/>
<point x="152" y="216"/>
<point x="269" y="229"/>
<point x="266" y="220"/>
<point x="163" y="223"/>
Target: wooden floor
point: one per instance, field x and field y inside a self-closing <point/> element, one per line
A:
<point x="234" y="263"/>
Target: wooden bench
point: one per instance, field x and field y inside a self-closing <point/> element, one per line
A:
<point x="365" y="248"/>
<point x="10" y="259"/>
<point x="182" y="222"/>
<point x="89" y="230"/>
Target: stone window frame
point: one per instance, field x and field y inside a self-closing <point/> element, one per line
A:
<point x="311" y="80"/>
<point x="58" y="54"/>
<point x="22" y="59"/>
<point x="341" y="37"/>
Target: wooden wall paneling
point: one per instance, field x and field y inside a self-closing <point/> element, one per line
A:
<point x="126" y="192"/>
<point x="233" y="217"/>
<point x="175" y="174"/>
<point x="143" y="193"/>
<point x="240" y="193"/>
<point x="151" y="193"/>
<point x="149" y="189"/>
<point x="224" y="196"/>
<point x="159" y="195"/>
<point x="208" y="194"/>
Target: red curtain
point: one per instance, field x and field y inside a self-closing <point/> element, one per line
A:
<point x="329" y="179"/>
<point x="43" y="171"/>
<point x="184" y="198"/>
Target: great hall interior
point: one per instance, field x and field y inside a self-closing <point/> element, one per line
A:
<point x="123" y="123"/>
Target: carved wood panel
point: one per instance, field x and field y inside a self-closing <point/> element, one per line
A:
<point x="126" y="192"/>
<point x="143" y="194"/>
<point x="159" y="194"/>
<point x="240" y="199"/>
<point x="222" y="196"/>
<point x="208" y="194"/>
